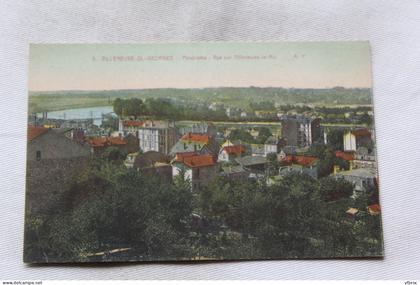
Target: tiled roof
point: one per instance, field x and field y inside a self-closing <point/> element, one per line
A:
<point x="344" y="155"/>
<point x="198" y="160"/>
<point x="130" y="123"/>
<point x="234" y="149"/>
<point x="180" y="156"/>
<point x="105" y="141"/>
<point x="199" y="138"/>
<point x="374" y="209"/>
<point x="300" y="160"/>
<point x="34" y="132"/>
<point x="361" y="132"/>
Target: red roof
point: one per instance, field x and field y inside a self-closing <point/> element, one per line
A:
<point x="234" y="149"/>
<point x="201" y="138"/>
<point x="361" y="133"/>
<point x="105" y="141"/>
<point x="180" y="156"/>
<point x="344" y="155"/>
<point x="131" y="123"/>
<point x="199" y="160"/>
<point x="300" y="160"/>
<point x="374" y="209"/>
<point x="34" y="132"/>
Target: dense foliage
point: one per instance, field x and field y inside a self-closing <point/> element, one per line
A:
<point x="110" y="207"/>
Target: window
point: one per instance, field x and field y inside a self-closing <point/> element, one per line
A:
<point x="38" y="155"/>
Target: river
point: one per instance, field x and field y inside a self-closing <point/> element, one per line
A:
<point x="94" y="113"/>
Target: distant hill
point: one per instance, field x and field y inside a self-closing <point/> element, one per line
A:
<point x="230" y="96"/>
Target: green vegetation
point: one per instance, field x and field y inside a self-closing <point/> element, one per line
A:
<point x="111" y="207"/>
<point x="229" y="96"/>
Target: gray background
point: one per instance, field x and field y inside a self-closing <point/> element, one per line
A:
<point x="392" y="27"/>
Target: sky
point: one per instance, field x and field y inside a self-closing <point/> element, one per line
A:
<point x="54" y="67"/>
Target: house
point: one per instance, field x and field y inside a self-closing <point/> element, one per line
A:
<point x="299" y="164"/>
<point x="273" y="145"/>
<point x="253" y="164"/>
<point x="129" y="160"/>
<point x="353" y="139"/>
<point x="126" y="127"/>
<point x="153" y="163"/>
<point x="157" y="136"/>
<point x="352" y="213"/>
<point x="301" y="131"/>
<point x="199" y="128"/>
<point x="257" y="149"/>
<point x="348" y="156"/>
<point x="232" y="112"/>
<point x="195" y="143"/>
<point x="53" y="160"/>
<point x="99" y="144"/>
<point x="198" y="169"/>
<point x="230" y="152"/>
<point x="235" y="172"/>
<point x="374" y="209"/>
<point x="361" y="178"/>
<point x="364" y="158"/>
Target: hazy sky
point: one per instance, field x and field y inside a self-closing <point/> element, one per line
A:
<point x="137" y="66"/>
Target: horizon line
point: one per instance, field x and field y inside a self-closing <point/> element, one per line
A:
<point x="198" y="88"/>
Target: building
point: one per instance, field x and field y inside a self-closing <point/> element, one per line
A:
<point x="361" y="178"/>
<point x="273" y="145"/>
<point x="257" y="149"/>
<point x="99" y="144"/>
<point x="155" y="164"/>
<point x="353" y="139"/>
<point x="235" y="172"/>
<point x="157" y="136"/>
<point x="198" y="169"/>
<point x="364" y="158"/>
<point x="129" y="160"/>
<point x="199" y="128"/>
<point x="348" y="156"/>
<point x="53" y="160"/>
<point x="253" y="164"/>
<point x="126" y="127"/>
<point x="228" y="153"/>
<point x="374" y="209"/>
<point x="195" y="143"/>
<point x="299" y="164"/>
<point x="301" y="131"/>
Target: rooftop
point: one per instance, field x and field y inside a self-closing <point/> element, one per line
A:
<point x="344" y="155"/>
<point x="34" y="132"/>
<point x="374" y="209"/>
<point x="300" y="160"/>
<point x="105" y="141"/>
<point x="361" y="132"/>
<point x="251" y="160"/>
<point x="198" y="161"/>
<point x="359" y="172"/>
<point x="234" y="149"/>
<point x="194" y="137"/>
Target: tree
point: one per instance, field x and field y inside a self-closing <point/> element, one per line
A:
<point x="118" y="106"/>
<point x="335" y="139"/>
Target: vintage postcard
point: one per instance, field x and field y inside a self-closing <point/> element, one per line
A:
<point x="201" y="151"/>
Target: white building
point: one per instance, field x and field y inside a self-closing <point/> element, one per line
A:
<point x="354" y="139"/>
<point x="157" y="136"/>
